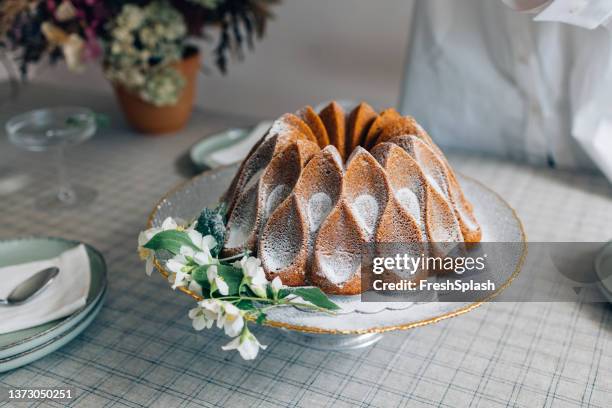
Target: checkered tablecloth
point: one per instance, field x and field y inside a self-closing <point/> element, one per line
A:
<point x="141" y="350"/>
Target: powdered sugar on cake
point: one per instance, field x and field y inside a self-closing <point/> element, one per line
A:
<point x="410" y="202"/>
<point x="366" y="210"/>
<point x="339" y="266"/>
<point x="319" y="206"/>
<point x="282" y="246"/>
<point x="276" y="196"/>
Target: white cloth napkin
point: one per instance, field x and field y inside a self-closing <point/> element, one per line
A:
<point x="66" y="294"/>
<point x="237" y="152"/>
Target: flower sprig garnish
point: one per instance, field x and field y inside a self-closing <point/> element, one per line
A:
<point x="234" y="290"/>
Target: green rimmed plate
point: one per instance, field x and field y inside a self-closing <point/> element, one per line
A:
<point x="33" y="249"/>
<point x="48" y="347"/>
<point x="240" y="139"/>
<point x="200" y="153"/>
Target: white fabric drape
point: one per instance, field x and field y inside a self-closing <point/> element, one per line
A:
<point x="526" y="79"/>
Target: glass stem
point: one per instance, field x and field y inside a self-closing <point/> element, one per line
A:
<point x="65" y="193"/>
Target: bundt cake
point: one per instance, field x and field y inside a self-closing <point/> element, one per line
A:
<point x="318" y="186"/>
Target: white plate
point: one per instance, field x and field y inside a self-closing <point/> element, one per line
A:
<point x="498" y="220"/>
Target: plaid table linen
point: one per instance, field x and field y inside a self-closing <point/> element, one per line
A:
<point x="141" y="350"/>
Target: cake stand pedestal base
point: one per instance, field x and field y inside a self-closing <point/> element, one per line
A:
<point x="333" y="342"/>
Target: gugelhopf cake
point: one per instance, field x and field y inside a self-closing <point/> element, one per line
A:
<point x="318" y="186"/>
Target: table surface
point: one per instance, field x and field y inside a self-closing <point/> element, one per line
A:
<point x="142" y="351"/>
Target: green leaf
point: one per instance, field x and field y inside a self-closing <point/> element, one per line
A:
<point x="316" y="297"/>
<point x="199" y="275"/>
<point x="261" y="318"/>
<point x="212" y="222"/>
<point x="245" y="305"/>
<point x="283" y="293"/>
<point x="170" y="240"/>
<point x="232" y="276"/>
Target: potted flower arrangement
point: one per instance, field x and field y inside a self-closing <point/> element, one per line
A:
<point x="142" y="45"/>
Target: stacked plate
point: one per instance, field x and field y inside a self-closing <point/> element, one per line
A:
<point x="25" y="346"/>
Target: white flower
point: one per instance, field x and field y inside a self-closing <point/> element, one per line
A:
<point x="247" y="345"/>
<point x="254" y="274"/>
<point x="204" y="244"/>
<point x="131" y="16"/>
<point x="179" y="279"/>
<point x="205" y="314"/>
<point x="123" y="35"/>
<point x="163" y="86"/>
<point x="179" y="266"/>
<point x="276" y="285"/>
<point x="147" y="254"/>
<point x="180" y="261"/>
<point x="216" y="281"/>
<point x="231" y="319"/>
<point x="169" y="224"/>
<point x="195" y="287"/>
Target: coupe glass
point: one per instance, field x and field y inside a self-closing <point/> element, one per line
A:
<point x="54" y="129"/>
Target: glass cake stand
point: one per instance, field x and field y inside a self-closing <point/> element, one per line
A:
<point x="333" y="342"/>
<point x="358" y="324"/>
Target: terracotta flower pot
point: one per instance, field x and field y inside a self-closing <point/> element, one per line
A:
<point x="157" y="120"/>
